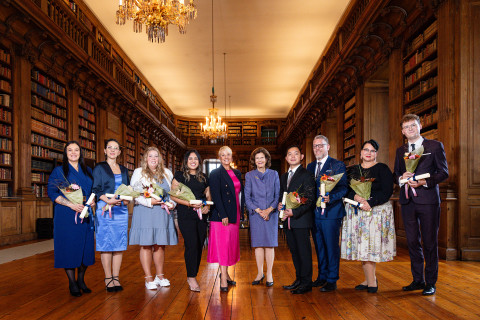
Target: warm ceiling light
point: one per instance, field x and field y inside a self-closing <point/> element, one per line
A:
<point x="156" y="15"/>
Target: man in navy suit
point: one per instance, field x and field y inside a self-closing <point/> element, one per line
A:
<point x="326" y="227"/>
<point x="421" y="212"/>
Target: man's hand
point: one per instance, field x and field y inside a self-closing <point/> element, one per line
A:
<point x="326" y="199"/>
<point x="287" y="214"/>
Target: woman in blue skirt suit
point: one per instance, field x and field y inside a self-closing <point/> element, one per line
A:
<point x="111" y="229"/>
<point x="72" y="238"/>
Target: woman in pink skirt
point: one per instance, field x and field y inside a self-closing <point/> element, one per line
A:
<point x="223" y="240"/>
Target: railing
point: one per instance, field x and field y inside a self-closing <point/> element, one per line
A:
<point x="141" y="97"/>
<point x="237" y="141"/>
<point x="125" y="81"/>
<point x="102" y="58"/>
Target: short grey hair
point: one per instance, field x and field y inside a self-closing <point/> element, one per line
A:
<point x="320" y="136"/>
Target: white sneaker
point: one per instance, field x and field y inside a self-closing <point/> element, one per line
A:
<point x="161" y="282"/>
<point x="151" y="285"/>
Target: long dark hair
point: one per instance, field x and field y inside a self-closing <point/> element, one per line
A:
<point x="199" y="172"/>
<point x="81" y="161"/>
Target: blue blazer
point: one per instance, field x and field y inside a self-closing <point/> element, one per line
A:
<point x="335" y="208"/>
<point x="104" y="179"/>
<point x="223" y="195"/>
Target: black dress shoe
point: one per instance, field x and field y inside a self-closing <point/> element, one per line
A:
<point x="329" y="287"/>
<point x="229" y="282"/>
<point x="302" y="290"/>
<point x="74" y="291"/>
<point x="429" y="290"/>
<point x="292" y="286"/>
<point x="83" y="287"/>
<point x="361" y="287"/>
<point x="414" y="286"/>
<point x="373" y="289"/>
<point x="256" y="282"/>
<point x="269" y="284"/>
<point x="319" y="283"/>
<point x="223" y="289"/>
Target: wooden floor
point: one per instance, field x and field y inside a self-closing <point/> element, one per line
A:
<point x="32" y="289"/>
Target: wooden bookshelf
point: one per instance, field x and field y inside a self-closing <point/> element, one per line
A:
<point x="349" y="132"/>
<point x="234" y="129"/>
<point x="183" y="125"/>
<point x="49" y="128"/>
<point x="6" y="124"/>
<point x="420" y="67"/>
<point x="194" y="129"/>
<point x="87" y="126"/>
<point x="130" y="150"/>
<point x="143" y="146"/>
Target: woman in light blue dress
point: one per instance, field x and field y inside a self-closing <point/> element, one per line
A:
<point x="111" y="226"/>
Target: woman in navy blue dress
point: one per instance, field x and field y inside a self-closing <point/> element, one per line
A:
<point x="73" y="239"/>
<point x="111" y="229"/>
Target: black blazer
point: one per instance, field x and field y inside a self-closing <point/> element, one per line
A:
<point x="304" y="183"/>
<point x="434" y="163"/>
<point x="223" y="195"/>
<point x="104" y="179"/>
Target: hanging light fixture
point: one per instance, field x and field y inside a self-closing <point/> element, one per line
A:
<point x="213" y="128"/>
<point x="156" y="15"/>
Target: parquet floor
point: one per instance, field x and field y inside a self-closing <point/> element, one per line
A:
<point x="31" y="288"/>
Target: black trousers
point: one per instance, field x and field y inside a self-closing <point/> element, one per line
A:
<point x="194" y="233"/>
<point x="421" y="223"/>
<point x="298" y="241"/>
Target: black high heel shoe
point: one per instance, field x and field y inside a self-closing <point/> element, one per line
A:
<point x="373" y="289"/>
<point x="230" y="282"/>
<point x="110" y="289"/>
<point x="74" y="291"/>
<point x="83" y="287"/>
<point x="269" y="284"/>
<point x="257" y="282"/>
<point x="119" y="287"/>
<point x="223" y="289"/>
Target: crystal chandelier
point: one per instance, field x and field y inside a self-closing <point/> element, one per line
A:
<point x="156" y="15"/>
<point x="213" y="128"/>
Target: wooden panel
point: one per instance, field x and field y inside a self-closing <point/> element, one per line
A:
<point x="28" y="216"/>
<point x="375" y="112"/>
<point x="44" y="209"/>
<point x="475" y="221"/>
<point x="9" y="218"/>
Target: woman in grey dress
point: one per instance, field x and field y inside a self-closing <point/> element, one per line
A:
<point x="152" y="224"/>
<point x="262" y="188"/>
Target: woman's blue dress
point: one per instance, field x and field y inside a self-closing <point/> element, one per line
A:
<point x="112" y="233"/>
<point x="73" y="242"/>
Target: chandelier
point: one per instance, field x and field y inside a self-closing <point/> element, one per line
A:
<point x="213" y="128"/>
<point x="156" y="15"/>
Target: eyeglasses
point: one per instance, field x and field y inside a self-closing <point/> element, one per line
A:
<point x="369" y="151"/>
<point x="319" y="146"/>
<point x="409" y="126"/>
<point x="113" y="148"/>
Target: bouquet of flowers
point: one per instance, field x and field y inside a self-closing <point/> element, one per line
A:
<point x="123" y="192"/>
<point x="327" y="183"/>
<point x="362" y="187"/>
<point x="291" y="200"/>
<point x="411" y="163"/>
<point x="154" y="191"/>
<point x="73" y="192"/>
<point x="185" y="193"/>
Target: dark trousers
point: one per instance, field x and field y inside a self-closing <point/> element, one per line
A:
<point x="298" y="241"/>
<point x="194" y="233"/>
<point x="421" y="222"/>
<point x="326" y="237"/>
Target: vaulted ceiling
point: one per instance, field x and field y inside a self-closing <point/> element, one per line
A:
<point x="271" y="45"/>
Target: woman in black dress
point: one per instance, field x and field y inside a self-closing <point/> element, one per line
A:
<point x="192" y="228"/>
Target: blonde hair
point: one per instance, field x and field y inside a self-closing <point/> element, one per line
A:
<point x="159" y="173"/>
<point x="223" y="149"/>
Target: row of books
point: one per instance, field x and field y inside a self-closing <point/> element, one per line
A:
<point x="86" y="124"/>
<point x="87" y="134"/>
<point x="5" y="72"/>
<point x="5" y="130"/>
<point x="87" y="154"/>
<point x="5" y="174"/>
<point x="349" y="142"/>
<point x="42" y="116"/>
<point x="40" y="191"/>
<point x="130" y="138"/>
<point x="430" y="30"/>
<point x="420" y="55"/>
<point x="6" y="144"/>
<point x="130" y="159"/>
<point x="130" y="145"/>
<point x="38" y="151"/>
<point x="349" y="162"/>
<point x="130" y="152"/>
<point x="39" y="177"/>
<point x="86" y="105"/>
<point x="87" y="115"/>
<point x="348" y="113"/>
<point x="431" y="134"/>
<point x="48" y="82"/>
<point x="42" y="165"/>
<point x="349" y="123"/>
<point x="349" y="132"/>
<point x="5" y="86"/>
<point x="420" y="88"/>
<point x="5" y="56"/>
<point x="349" y="103"/>
<point x="48" y="130"/>
<point x="6" y="158"/>
<point x="49" y="94"/>
<point x="5" y="115"/>
<point x="47" y="142"/>
<point x="350" y="152"/>
<point x="87" y="143"/>
<point x="429" y="118"/>
<point x="426" y="67"/>
<point x="4" y="190"/>
<point x="130" y="166"/>
<point x="48" y="106"/>
<point x="423" y="105"/>
<point x="4" y="100"/>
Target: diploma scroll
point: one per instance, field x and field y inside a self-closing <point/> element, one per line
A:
<point x="208" y="203"/>
<point x="415" y="177"/>
<point x="118" y="197"/>
<point x="87" y="205"/>
<point x="323" y="205"/>
<point x="284" y="198"/>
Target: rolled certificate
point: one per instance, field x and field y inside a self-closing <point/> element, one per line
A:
<point x="415" y="177"/>
<point x="208" y="203"/>
<point x="118" y="197"/>
<point x="154" y="196"/>
<point x="353" y="202"/>
<point x="284" y="198"/>
<point x="322" y="193"/>
<point x="87" y="205"/>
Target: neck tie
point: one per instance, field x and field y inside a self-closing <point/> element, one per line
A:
<point x="319" y="168"/>
<point x="413" y="146"/>
<point x="290" y="174"/>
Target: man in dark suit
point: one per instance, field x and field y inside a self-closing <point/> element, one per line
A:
<point x="298" y="222"/>
<point x="421" y="212"/>
<point x="326" y="227"/>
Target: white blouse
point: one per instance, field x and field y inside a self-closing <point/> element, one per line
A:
<point x="139" y="179"/>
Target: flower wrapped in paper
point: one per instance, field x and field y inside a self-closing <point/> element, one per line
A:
<point x="362" y="187"/>
<point x="411" y="162"/>
<point x="154" y="191"/>
<point x="123" y="192"/>
<point x="73" y="192"/>
<point x="327" y="183"/>
<point x="292" y="201"/>
<point x="183" y="192"/>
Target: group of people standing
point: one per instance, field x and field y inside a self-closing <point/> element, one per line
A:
<point x="366" y="234"/>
